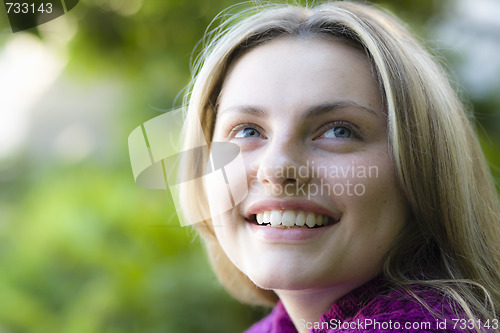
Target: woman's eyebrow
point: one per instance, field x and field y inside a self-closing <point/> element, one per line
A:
<point x="320" y="109"/>
<point x="249" y="109"/>
<point x="313" y="111"/>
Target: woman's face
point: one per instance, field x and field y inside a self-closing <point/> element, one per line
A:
<point x="323" y="204"/>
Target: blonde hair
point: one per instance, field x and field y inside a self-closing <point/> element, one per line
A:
<point x="452" y="242"/>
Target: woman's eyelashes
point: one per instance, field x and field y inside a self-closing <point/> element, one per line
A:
<point x="246" y="131"/>
<point x="333" y="130"/>
<point x="338" y="130"/>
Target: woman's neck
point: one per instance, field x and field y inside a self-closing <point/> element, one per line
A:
<point x="305" y="307"/>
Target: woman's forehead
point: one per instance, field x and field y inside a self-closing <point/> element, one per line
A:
<point x="301" y="72"/>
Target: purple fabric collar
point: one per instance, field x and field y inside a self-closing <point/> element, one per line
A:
<point x="280" y="322"/>
<point x="376" y="301"/>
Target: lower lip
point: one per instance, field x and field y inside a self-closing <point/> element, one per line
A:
<point x="287" y="235"/>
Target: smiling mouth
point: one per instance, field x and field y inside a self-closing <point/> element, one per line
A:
<point x="291" y="219"/>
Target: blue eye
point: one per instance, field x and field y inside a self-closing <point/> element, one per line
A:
<point x="248" y="132"/>
<point x="338" y="132"/>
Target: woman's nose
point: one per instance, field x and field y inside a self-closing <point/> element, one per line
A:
<point x="283" y="163"/>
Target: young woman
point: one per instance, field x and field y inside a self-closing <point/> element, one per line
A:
<point x="370" y="206"/>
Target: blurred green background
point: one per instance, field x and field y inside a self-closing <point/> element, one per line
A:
<point x="82" y="248"/>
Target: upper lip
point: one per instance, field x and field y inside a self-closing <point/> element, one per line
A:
<point x="305" y="205"/>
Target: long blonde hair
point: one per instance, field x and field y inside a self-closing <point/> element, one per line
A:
<point x="452" y="242"/>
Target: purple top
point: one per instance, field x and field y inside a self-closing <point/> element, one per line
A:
<point x="369" y="309"/>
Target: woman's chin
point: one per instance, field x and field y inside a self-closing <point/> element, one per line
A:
<point x="273" y="282"/>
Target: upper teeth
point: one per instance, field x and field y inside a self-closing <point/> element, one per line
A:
<point x="289" y="218"/>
